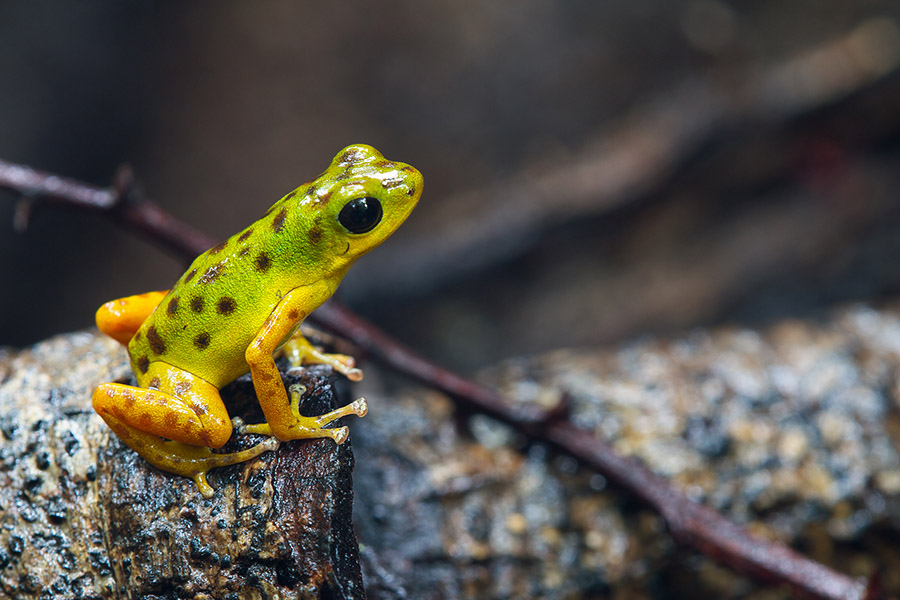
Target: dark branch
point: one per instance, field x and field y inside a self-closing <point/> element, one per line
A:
<point x="122" y="202"/>
<point x="690" y="523"/>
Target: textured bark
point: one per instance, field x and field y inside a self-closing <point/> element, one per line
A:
<point x="83" y="516"/>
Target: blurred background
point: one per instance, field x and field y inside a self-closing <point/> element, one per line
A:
<point x="594" y="170"/>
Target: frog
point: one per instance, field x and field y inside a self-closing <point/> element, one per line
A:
<point x="236" y="308"/>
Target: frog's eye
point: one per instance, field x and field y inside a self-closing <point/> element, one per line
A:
<point x="361" y="215"/>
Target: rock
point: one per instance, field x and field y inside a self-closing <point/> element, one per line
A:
<point x="792" y="430"/>
<point x="83" y="516"/>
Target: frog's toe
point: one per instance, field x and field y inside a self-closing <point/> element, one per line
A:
<point x="360" y="407"/>
<point x="270" y="444"/>
<point x="203" y="486"/>
<point x="340" y="434"/>
<point x="353" y="374"/>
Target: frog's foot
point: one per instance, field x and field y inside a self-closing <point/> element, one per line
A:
<point x="120" y="319"/>
<point x="185" y="459"/>
<point x="298" y="350"/>
<point x="312" y="427"/>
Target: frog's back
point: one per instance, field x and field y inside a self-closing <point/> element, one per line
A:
<point x="216" y="308"/>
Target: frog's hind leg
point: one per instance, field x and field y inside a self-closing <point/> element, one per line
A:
<point x="184" y="459"/>
<point x="173" y="432"/>
<point x="120" y="319"/>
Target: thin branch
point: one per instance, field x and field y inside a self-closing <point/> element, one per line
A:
<point x="122" y="202"/>
<point x="691" y="524"/>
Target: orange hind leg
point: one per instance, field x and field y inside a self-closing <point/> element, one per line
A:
<point x="173" y="426"/>
<point x="120" y="319"/>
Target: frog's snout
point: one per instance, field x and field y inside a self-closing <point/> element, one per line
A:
<point x="413" y="181"/>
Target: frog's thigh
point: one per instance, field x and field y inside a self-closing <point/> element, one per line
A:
<point x="188" y="420"/>
<point x="120" y="319"/>
<point x="172" y="456"/>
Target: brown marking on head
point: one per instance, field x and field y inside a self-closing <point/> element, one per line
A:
<point x="143" y="363"/>
<point x="350" y="155"/>
<point x="262" y="262"/>
<point x="217" y="248"/>
<point x="157" y="344"/>
<point x="343" y="175"/>
<point x="171" y="419"/>
<point x="201" y="342"/>
<point x="411" y="191"/>
<point x="182" y="387"/>
<point x="315" y="232"/>
<point x="408" y="169"/>
<point x="244" y="236"/>
<point x="225" y="305"/>
<point x="293" y="314"/>
<point x="291" y="195"/>
<point x="190" y="275"/>
<point x="138" y="335"/>
<point x="172" y="307"/>
<point x="391" y="183"/>
<point x="198" y="408"/>
<point x="154" y="383"/>
<point x="244" y="251"/>
<point x="278" y="221"/>
<point x="211" y="273"/>
<point x="128" y="400"/>
<point x="145" y="420"/>
<point x="197" y="304"/>
<point x="311" y="190"/>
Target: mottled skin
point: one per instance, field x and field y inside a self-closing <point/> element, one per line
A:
<point x="237" y="305"/>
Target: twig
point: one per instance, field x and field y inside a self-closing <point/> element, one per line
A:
<point x="690" y="523"/>
<point x="122" y="202"/>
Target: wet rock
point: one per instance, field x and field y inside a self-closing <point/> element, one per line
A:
<point x="83" y="516"/>
<point x="792" y="430"/>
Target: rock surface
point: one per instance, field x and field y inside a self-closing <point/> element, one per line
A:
<point x="794" y="430"/>
<point x="82" y="516"/>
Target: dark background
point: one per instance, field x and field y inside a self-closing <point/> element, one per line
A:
<point x="594" y="170"/>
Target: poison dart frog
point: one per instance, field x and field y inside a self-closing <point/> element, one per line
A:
<point x="237" y="305"/>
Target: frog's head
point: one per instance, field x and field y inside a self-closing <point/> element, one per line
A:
<point x="362" y="198"/>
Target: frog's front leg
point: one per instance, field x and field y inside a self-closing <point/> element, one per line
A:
<point x="298" y="350"/>
<point x="173" y="424"/>
<point x="283" y="418"/>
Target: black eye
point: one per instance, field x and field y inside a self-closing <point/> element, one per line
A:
<point x="361" y="215"/>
